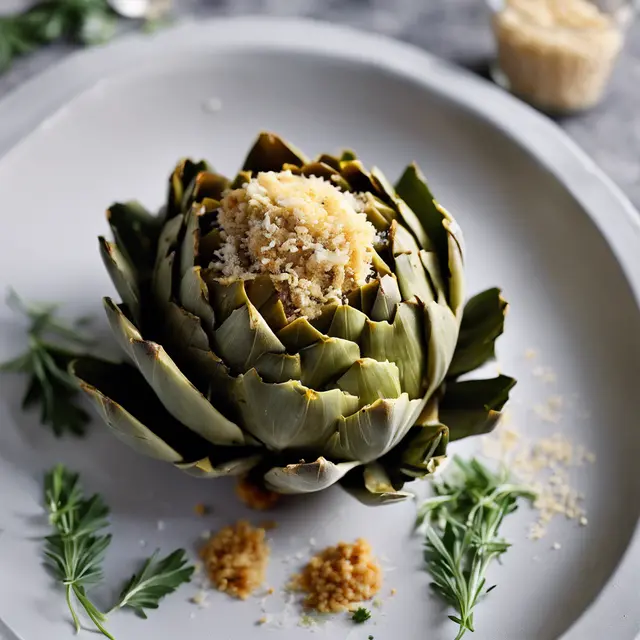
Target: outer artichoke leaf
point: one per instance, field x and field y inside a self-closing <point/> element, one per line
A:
<point x="329" y="173"/>
<point x="131" y="410"/>
<point x="401" y="240"/>
<point x="401" y="342"/>
<point x="331" y="161"/>
<point x="373" y="430"/>
<point x="288" y="415"/>
<point x="412" y="278"/>
<point x="482" y="323"/>
<point x="426" y="446"/>
<point x="194" y="297"/>
<point x="225" y="296"/>
<point x="273" y="313"/>
<point x="441" y="332"/>
<point x="456" y="269"/>
<point x="270" y="152"/>
<point x="299" y="334"/>
<point x="279" y="367"/>
<point x="209" y="243"/>
<point x="326" y="360"/>
<point x="162" y="283"/>
<point x="380" y="266"/>
<point x="168" y="240"/>
<point x="348" y="154"/>
<point x="205" y="468"/>
<point x="123" y="329"/>
<point x="241" y="179"/>
<point x="190" y="241"/>
<point x="431" y="265"/>
<point x="207" y="184"/>
<point x="306" y="477"/>
<point x="323" y="321"/>
<point x="259" y="290"/>
<point x="136" y="233"/>
<point x="378" y="213"/>
<point x="371" y="486"/>
<point x="243" y="337"/>
<point x="387" y="299"/>
<point x="371" y="380"/>
<point x="473" y="407"/>
<point x="122" y="275"/>
<point x="347" y="323"/>
<point x="180" y="397"/>
<point x="363" y="297"/>
<point x="182" y="176"/>
<point x="355" y="173"/>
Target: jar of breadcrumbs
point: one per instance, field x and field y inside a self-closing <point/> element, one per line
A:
<point x="558" y="55"/>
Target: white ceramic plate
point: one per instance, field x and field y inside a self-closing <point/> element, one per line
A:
<point x="540" y="220"/>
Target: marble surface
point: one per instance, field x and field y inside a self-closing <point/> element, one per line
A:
<point x="457" y="30"/>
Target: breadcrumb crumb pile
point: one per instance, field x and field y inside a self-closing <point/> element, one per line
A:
<point x="255" y="496"/>
<point x="339" y="577"/>
<point x="236" y="559"/>
<point x="312" y="239"/>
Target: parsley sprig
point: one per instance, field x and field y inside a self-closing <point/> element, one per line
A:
<point x="76" y="550"/>
<point x="51" y="345"/>
<point x="462" y="521"/>
<point x="360" y="615"/>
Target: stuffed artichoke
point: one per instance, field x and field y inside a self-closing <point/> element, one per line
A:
<point x="302" y="323"/>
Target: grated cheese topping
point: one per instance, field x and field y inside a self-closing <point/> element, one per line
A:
<point x="312" y="239"/>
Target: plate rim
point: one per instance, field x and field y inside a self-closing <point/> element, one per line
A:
<point x="23" y="113"/>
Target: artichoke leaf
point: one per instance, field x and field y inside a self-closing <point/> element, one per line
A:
<point x="401" y="342"/>
<point x="363" y="297"/>
<point x="209" y="244"/>
<point x="326" y="360"/>
<point x="225" y="296"/>
<point x="278" y="367"/>
<point x="205" y="468"/>
<point x="122" y="275"/>
<point x="133" y="413"/>
<point x="329" y="173"/>
<point x="347" y="323"/>
<point x="372" y="487"/>
<point x="456" y="270"/>
<point x="240" y="180"/>
<point x="243" y="337"/>
<point x="426" y="446"/>
<point x="380" y="266"/>
<point x="180" y="397"/>
<point x="371" y="380"/>
<point x="182" y="176"/>
<point x="299" y="334"/>
<point x="373" y="430"/>
<point x="378" y="213"/>
<point x="162" y="283"/>
<point x="482" y="323"/>
<point x="194" y="297"/>
<point x="259" y="290"/>
<point x="473" y="407"/>
<point x="270" y="152"/>
<point x="331" y="161"/>
<point x="441" y="329"/>
<point x="355" y="173"/>
<point x="206" y="184"/>
<point x="168" y="240"/>
<point x="401" y="240"/>
<point x="274" y="314"/>
<point x="287" y="415"/>
<point x="190" y="241"/>
<point x="122" y="328"/>
<point x="306" y="477"/>
<point x="412" y="278"/>
<point x="388" y="298"/>
<point x="432" y="267"/>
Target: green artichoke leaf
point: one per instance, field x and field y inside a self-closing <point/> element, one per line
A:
<point x="270" y="152"/>
<point x="425" y="446"/>
<point x="168" y="240"/>
<point x="132" y="411"/>
<point x="194" y="297"/>
<point x="387" y="300"/>
<point x="205" y="468"/>
<point x="289" y="415"/>
<point x="378" y="213"/>
<point x="306" y="477"/>
<point x="259" y="290"/>
<point x="274" y="314"/>
<point x="122" y="328"/>
<point x="326" y="360"/>
<point x="401" y="240"/>
<point x="206" y="184"/>
<point x="243" y="337"/>
<point x="331" y="161"/>
<point x="380" y="266"/>
<point x="347" y="323"/>
<point x="363" y="297"/>
<point x="190" y="241"/>
<point x="373" y="430"/>
<point x="136" y="233"/>
<point x="371" y="380"/>
<point x="347" y="154"/>
<point x="371" y="486"/>
<point x="359" y="179"/>
<point x="322" y="322"/>
<point x="241" y="179"/>
<point x="431" y="265"/>
<point x="209" y="244"/>
<point x="329" y="173"/>
<point x="182" y="176"/>
<point x="225" y="296"/>
<point x="299" y="334"/>
<point x="473" y="407"/>
<point x="482" y="323"/>
<point x="412" y="278"/>
<point x="162" y="283"/>
<point x="122" y="275"/>
<point x="441" y="333"/>
<point x="279" y="367"/>
<point x="180" y="397"/>
<point x="456" y="268"/>
<point x="401" y="342"/>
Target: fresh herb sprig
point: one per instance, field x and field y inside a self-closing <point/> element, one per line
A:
<point x="46" y="362"/>
<point x="83" y="21"/>
<point x="361" y="615"/>
<point x="76" y="550"/>
<point x="462" y="521"/>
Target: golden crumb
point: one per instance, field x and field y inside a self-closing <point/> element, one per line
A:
<point x="339" y="577"/>
<point x="530" y="354"/>
<point x="393" y="592"/>
<point x="270" y="591"/>
<point x="262" y="620"/>
<point x="255" y="496"/>
<point x="236" y="559"/>
<point x="269" y="525"/>
<point x="201" y="509"/>
<point x="313" y="240"/>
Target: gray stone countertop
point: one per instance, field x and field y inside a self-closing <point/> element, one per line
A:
<point x="457" y="30"/>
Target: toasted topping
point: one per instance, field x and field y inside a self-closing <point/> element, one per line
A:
<point x="339" y="577"/>
<point x="236" y="559"/>
<point x="312" y="239"/>
<point x="255" y="496"/>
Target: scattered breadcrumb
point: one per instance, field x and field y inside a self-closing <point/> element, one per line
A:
<point x="556" y="546"/>
<point x="255" y="496"/>
<point x="583" y="521"/>
<point x="546" y="374"/>
<point x="339" y="577"/>
<point x="236" y="559"/>
<point x="393" y="592"/>
<point x="200" y="599"/>
<point x="201" y="509"/>
<point x="269" y="525"/>
<point x="530" y="354"/>
<point x="312" y="239"/>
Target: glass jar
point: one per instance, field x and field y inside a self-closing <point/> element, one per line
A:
<point x="558" y="55"/>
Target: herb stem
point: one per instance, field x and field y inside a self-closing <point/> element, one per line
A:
<point x="74" y="615"/>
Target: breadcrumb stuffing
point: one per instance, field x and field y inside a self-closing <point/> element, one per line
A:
<point x="312" y="239"/>
<point x="236" y="559"/>
<point x="256" y="497"/>
<point x="339" y="577"/>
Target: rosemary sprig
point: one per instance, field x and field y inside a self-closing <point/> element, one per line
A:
<point x="45" y="362"/>
<point x="462" y="521"/>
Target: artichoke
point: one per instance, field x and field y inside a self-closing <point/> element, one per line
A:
<point x="300" y="325"/>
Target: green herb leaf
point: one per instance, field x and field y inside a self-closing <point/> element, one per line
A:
<point x="361" y="615"/>
<point x="156" y="579"/>
<point x="462" y="533"/>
